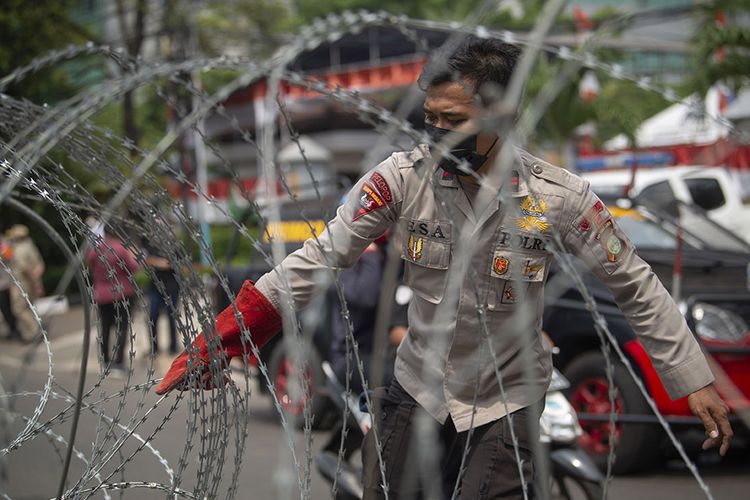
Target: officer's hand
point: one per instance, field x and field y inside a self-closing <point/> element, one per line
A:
<point x="708" y="406"/>
<point x="262" y="322"/>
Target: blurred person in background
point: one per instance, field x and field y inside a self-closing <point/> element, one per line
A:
<point x="360" y="286"/>
<point x="6" y="283"/>
<point x="166" y="301"/>
<point x="27" y="266"/>
<point x="112" y="267"/>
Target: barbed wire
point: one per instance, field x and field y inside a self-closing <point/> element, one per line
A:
<point x="31" y="172"/>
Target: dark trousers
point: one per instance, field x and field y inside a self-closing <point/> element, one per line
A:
<point x="490" y="469"/>
<point x="114" y="315"/>
<point x="7" y="311"/>
<point x="157" y="304"/>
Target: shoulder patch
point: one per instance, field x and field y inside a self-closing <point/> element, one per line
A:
<point x="370" y="199"/>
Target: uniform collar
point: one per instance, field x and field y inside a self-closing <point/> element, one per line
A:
<point x="517" y="188"/>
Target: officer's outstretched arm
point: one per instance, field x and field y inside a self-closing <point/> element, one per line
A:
<point x="594" y="236"/>
<point x="371" y="207"/>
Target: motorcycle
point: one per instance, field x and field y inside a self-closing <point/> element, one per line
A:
<point x="349" y="481"/>
<point x="573" y="475"/>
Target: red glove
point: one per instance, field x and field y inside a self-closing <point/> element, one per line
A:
<point x="259" y="316"/>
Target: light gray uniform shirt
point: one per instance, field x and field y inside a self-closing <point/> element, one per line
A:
<point x="478" y="277"/>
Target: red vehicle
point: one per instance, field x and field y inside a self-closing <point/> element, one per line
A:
<point x="715" y="284"/>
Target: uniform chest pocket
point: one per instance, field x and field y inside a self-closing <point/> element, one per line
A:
<point x="515" y="278"/>
<point x="426" y="270"/>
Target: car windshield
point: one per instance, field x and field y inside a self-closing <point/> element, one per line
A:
<point x="648" y="228"/>
<point x="645" y="233"/>
<point x="712" y="234"/>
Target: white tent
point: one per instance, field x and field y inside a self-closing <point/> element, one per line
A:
<point x="691" y="121"/>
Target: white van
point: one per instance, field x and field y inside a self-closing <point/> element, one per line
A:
<point x="724" y="194"/>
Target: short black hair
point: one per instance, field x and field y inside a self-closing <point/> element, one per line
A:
<point x="481" y="62"/>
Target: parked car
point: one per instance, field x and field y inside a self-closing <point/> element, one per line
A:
<point x="716" y="302"/>
<point x="720" y="193"/>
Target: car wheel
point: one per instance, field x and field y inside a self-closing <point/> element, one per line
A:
<point x="284" y="374"/>
<point x="589" y="393"/>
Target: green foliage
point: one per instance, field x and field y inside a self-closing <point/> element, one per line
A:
<point x="213" y="80"/>
<point x="444" y="10"/>
<point x="622" y="106"/>
<point x="733" y="40"/>
<point x="255" y="24"/>
<point x="29" y="30"/>
<point x="222" y="238"/>
<point x="150" y="115"/>
<point x="566" y="112"/>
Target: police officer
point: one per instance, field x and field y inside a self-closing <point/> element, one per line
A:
<point x="471" y="261"/>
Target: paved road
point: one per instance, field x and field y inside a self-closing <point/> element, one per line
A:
<point x="33" y="470"/>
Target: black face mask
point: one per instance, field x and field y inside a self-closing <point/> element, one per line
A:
<point x="466" y="151"/>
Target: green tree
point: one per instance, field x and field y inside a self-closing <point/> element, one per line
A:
<point x="424" y="9"/>
<point x="133" y="35"/>
<point x="564" y="114"/>
<point x="722" y="49"/>
<point x="258" y="26"/>
<point x="29" y="30"/>
<point x="622" y="106"/>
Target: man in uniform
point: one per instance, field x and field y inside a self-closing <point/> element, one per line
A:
<point x="471" y="261"/>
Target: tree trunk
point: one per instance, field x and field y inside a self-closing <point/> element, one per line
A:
<point x="133" y="43"/>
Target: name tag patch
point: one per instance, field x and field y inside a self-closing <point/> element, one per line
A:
<point x="521" y="241"/>
<point x="431" y="229"/>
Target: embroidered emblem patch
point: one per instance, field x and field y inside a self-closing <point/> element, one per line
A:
<point x="508" y="294"/>
<point x="500" y="265"/>
<point x="533" y="215"/>
<point x="530" y="270"/>
<point x="379" y="182"/>
<point x="596" y="216"/>
<point x="414" y="247"/>
<point x="369" y="200"/>
<point x="612" y="244"/>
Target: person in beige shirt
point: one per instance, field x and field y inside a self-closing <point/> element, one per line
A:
<point x="27" y="266"/>
<point x="477" y="255"/>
